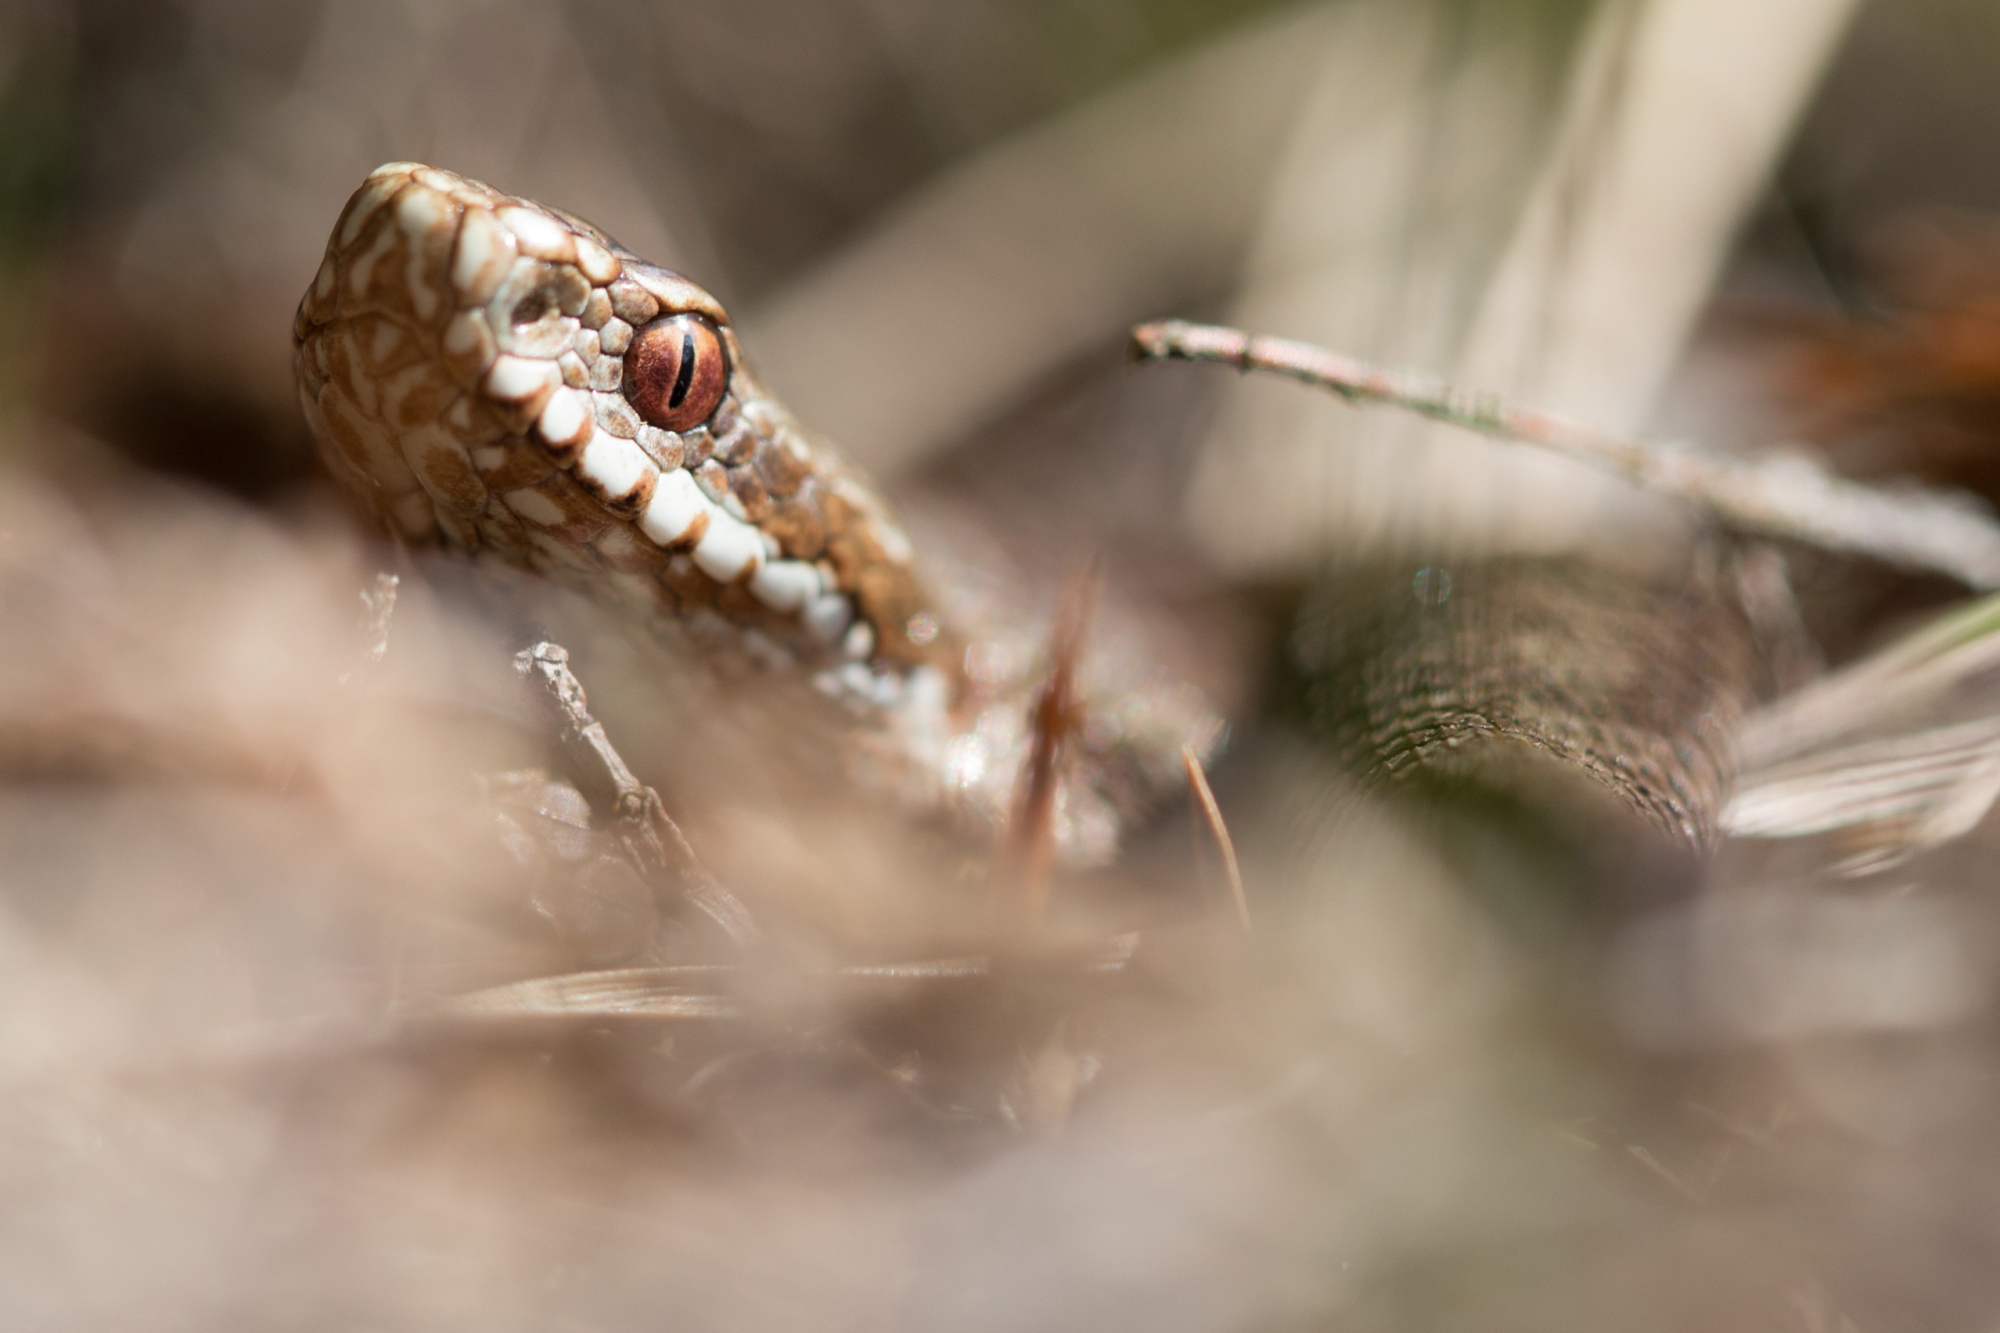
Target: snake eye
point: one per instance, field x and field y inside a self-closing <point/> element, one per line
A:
<point x="676" y="371"/>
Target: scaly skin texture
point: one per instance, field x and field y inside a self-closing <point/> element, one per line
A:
<point x="460" y="358"/>
<point x="1548" y="680"/>
<point x="480" y="370"/>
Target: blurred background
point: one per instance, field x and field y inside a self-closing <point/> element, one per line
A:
<point x="1449" y="1079"/>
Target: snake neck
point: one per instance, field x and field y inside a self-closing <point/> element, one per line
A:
<point x="491" y="375"/>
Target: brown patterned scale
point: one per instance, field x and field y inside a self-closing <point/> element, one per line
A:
<point x="498" y="376"/>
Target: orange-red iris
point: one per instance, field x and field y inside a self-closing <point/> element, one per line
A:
<point x="676" y="371"/>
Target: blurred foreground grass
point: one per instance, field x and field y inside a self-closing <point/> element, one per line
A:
<point x="1423" y="1092"/>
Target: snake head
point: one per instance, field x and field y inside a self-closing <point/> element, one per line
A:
<point x="494" y="375"/>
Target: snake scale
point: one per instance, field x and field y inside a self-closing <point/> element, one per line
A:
<point x="493" y="375"/>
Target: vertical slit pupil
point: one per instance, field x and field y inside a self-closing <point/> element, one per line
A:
<point x="684" y="380"/>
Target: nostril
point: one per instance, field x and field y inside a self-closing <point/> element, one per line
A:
<point x="534" y="313"/>
<point x="534" y="307"/>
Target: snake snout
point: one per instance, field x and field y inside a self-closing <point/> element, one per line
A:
<point x="489" y="374"/>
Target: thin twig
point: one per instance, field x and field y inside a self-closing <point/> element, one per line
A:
<point x="653" y="839"/>
<point x="601" y="770"/>
<point x="1198" y="781"/>
<point x="1781" y="494"/>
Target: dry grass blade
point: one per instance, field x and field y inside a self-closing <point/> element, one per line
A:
<point x="646" y="992"/>
<point x="1019" y="882"/>
<point x="704" y="991"/>
<point x="1909" y="792"/>
<point x="1205" y="797"/>
<point x="1779" y="495"/>
<point x="1910" y="674"/>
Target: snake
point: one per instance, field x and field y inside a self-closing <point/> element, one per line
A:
<point x="499" y="377"/>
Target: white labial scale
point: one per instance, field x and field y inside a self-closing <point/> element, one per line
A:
<point x="857" y="681"/>
<point x="886" y="688"/>
<point x="859" y="645"/>
<point x="729" y="549"/>
<point x="566" y="417"/>
<point x="785" y="585"/>
<point x="827" y="616"/>
<point x="612" y="466"/>
<point x="677" y="502"/>
<point x="516" y="379"/>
